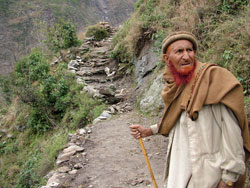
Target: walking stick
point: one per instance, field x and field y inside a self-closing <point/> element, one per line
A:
<point x="147" y="161"/>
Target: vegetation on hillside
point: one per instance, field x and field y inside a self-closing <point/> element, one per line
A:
<point x="44" y="104"/>
<point x="222" y="28"/>
<point x="24" y="23"/>
<point x="61" y="35"/>
<point x="97" y="32"/>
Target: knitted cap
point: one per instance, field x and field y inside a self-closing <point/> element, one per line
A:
<point x="179" y="36"/>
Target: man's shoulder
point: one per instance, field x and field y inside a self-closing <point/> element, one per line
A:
<point x="216" y="71"/>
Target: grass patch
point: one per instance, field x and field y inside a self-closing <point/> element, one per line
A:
<point x="247" y="106"/>
<point x="50" y="148"/>
<point x="97" y="32"/>
<point x="222" y="29"/>
<point x="26" y="159"/>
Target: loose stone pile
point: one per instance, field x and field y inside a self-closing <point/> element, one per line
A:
<point x="70" y="160"/>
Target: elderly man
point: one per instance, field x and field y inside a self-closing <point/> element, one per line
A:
<point x="203" y="117"/>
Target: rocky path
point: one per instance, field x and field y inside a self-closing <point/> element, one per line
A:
<point x="106" y="156"/>
<point x="116" y="159"/>
<point x="94" y="68"/>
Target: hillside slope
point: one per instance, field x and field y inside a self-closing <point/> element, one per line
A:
<point x="222" y="28"/>
<point x="23" y="24"/>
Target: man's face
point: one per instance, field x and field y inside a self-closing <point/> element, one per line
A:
<point x="182" y="56"/>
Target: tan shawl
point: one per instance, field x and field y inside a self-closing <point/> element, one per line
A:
<point x="210" y="85"/>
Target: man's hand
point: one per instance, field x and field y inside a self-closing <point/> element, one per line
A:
<point x="222" y="184"/>
<point x="138" y="131"/>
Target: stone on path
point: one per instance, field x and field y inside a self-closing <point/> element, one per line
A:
<point x="72" y="172"/>
<point x="73" y="148"/>
<point x="64" y="169"/>
<point x="64" y="157"/>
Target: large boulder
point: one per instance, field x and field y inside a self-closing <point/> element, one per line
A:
<point x="151" y="101"/>
<point x="145" y="64"/>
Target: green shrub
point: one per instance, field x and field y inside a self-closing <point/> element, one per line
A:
<point x="38" y="66"/>
<point x="37" y="121"/>
<point x="55" y="93"/>
<point x="97" y="31"/>
<point x="61" y="35"/>
<point x="27" y="177"/>
<point x="32" y="68"/>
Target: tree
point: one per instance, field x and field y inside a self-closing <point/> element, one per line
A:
<point x="61" y="35"/>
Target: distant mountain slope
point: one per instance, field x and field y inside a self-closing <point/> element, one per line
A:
<point x="22" y="23"/>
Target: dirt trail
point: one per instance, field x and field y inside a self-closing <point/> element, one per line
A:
<point x="110" y="157"/>
<point x="115" y="160"/>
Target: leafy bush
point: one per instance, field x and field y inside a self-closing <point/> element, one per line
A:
<point x="32" y="68"/>
<point x="61" y="35"/>
<point x="97" y="31"/>
<point x="55" y="93"/>
<point x="28" y="178"/>
<point x="37" y="121"/>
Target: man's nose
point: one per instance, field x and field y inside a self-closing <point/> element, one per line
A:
<point x="185" y="55"/>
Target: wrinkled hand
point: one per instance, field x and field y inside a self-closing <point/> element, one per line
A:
<point x="138" y="131"/>
<point x="222" y="184"/>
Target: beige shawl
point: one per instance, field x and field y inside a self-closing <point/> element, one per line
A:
<point x="211" y="85"/>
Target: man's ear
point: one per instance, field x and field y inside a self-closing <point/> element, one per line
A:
<point x="165" y="57"/>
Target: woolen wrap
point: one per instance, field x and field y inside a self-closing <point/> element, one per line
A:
<point x="211" y="84"/>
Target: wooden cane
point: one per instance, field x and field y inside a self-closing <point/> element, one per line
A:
<point x="147" y="161"/>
